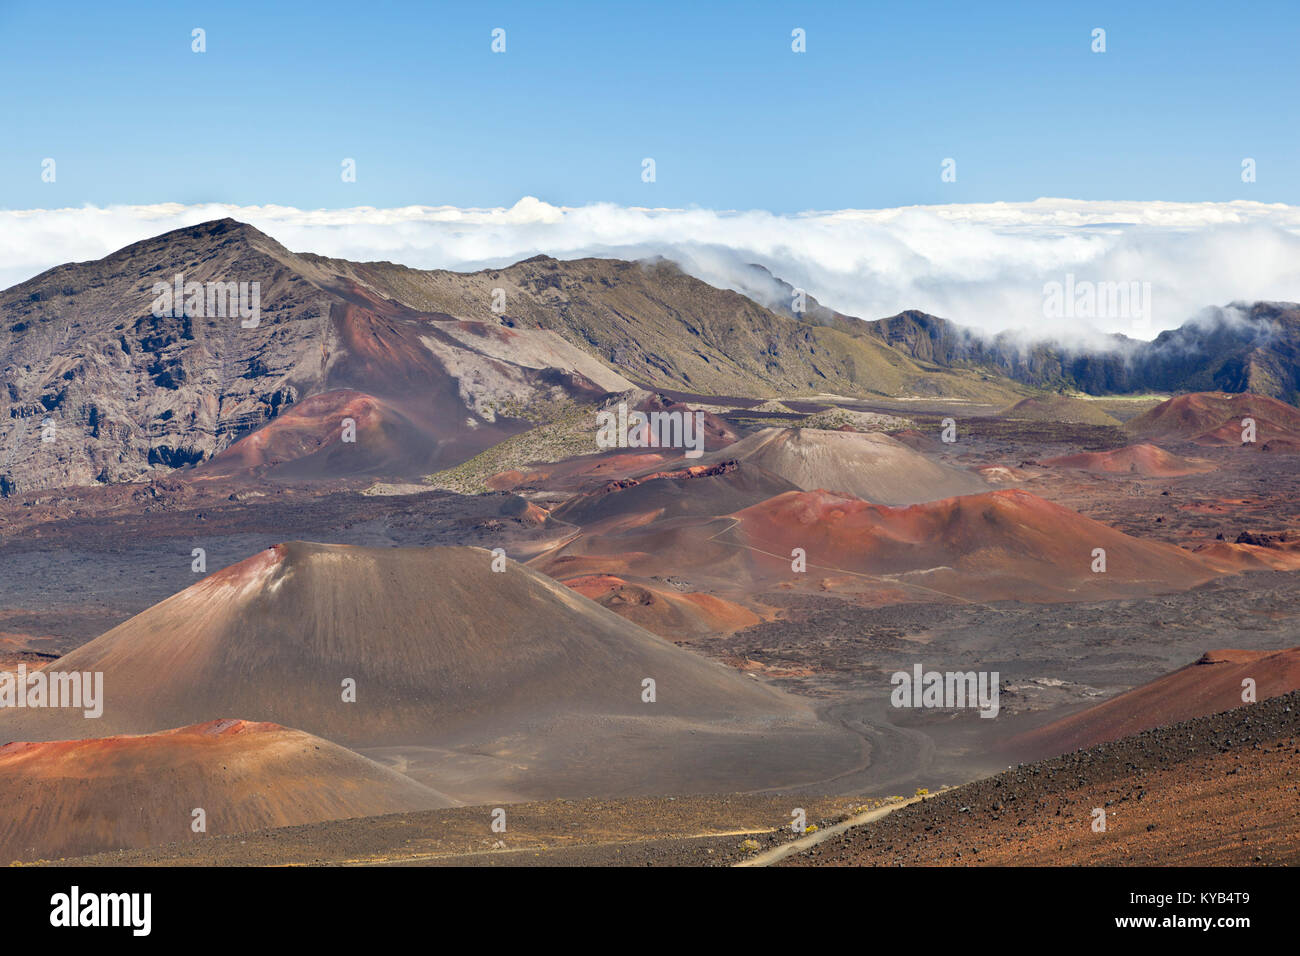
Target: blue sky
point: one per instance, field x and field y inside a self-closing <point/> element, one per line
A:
<point x="711" y="91"/>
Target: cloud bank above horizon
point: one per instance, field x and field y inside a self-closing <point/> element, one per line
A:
<point x="982" y="265"/>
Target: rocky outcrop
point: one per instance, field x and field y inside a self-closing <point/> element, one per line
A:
<point x="110" y="377"/>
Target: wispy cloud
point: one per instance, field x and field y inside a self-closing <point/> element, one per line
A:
<point x="983" y="265"/>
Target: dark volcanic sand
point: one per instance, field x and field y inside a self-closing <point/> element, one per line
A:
<point x="1052" y="659"/>
<point x="1218" y="790"/>
<point x="1221" y="790"/>
<point x="558" y="831"/>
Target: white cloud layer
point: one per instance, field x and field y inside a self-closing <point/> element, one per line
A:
<point x="984" y="265"/>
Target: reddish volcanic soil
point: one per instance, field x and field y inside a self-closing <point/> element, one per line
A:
<point x="1282" y="446"/>
<point x="1000" y="544"/>
<point x="401" y="375"/>
<point x="1267" y="434"/>
<point x="1215" y="791"/>
<point x="1147" y="460"/>
<point x="308" y="439"/>
<point x="1239" y="556"/>
<point x="73" y="797"/>
<point x="1214" y="418"/>
<point x="1209" y="686"/>
<point x="504" y="687"/>
<point x="663" y="611"/>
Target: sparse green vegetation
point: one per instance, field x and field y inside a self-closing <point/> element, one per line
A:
<point x="862" y="421"/>
<point x="1051" y="407"/>
<point x="572" y="432"/>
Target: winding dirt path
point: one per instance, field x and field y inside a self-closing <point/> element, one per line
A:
<point x="768" y="857"/>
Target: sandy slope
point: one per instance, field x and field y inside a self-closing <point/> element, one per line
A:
<point x="73" y="797"/>
<point x="1210" y="685"/>
<point x="1000" y="544"/>
<point x="1146" y="460"/>
<point x="1214" y="418"/>
<point x="870" y="466"/>
<point x="483" y="683"/>
<point x="1219" y="791"/>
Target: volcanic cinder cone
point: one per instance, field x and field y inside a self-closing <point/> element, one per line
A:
<point x="1214" y="418"/>
<point x="1146" y="460"/>
<point x="1005" y="544"/>
<point x="1211" y="685"/>
<point x="308" y="440"/>
<point x="998" y="545"/>
<point x="73" y="797"/>
<point x="1058" y="408"/>
<point x="870" y="466"/>
<point x="487" y="684"/>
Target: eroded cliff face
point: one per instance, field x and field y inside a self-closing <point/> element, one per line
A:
<point x="98" y="388"/>
<point x="109" y="376"/>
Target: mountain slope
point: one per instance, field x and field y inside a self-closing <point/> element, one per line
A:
<point x="485" y="684"/>
<point x="1216" y="418"/>
<point x="1211" y="685"/>
<point x="127" y="391"/>
<point x="870" y="466"/>
<point x="98" y="388"/>
<point x="1147" y="460"/>
<point x="666" y="329"/>
<point x="996" y="545"/>
<point x="73" y="797"/>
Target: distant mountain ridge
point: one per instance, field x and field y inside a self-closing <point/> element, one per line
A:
<point x="432" y="367"/>
<point x="1240" y="348"/>
<point x="1237" y="348"/>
